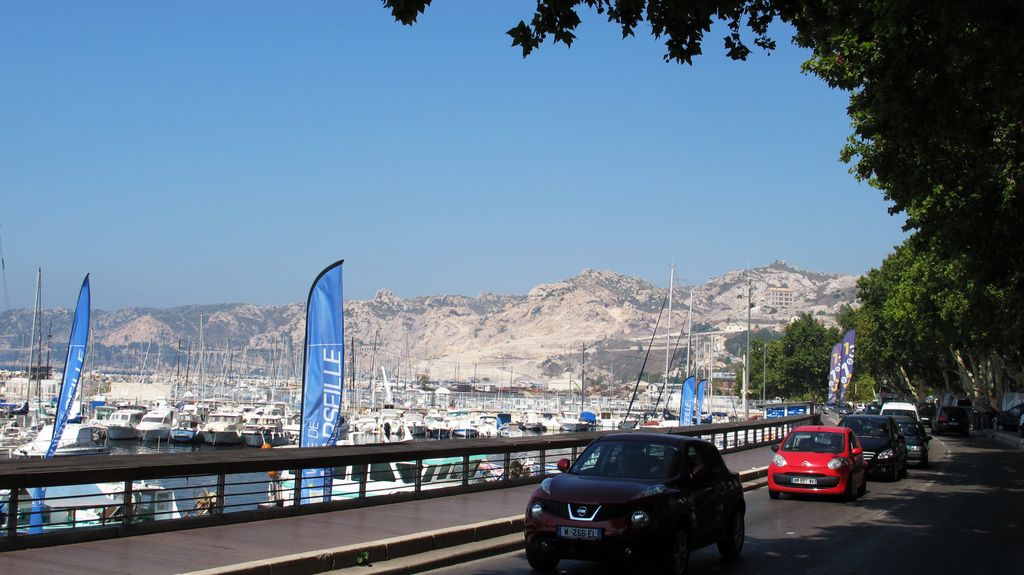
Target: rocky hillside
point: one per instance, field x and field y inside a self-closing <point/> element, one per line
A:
<point x="536" y="336"/>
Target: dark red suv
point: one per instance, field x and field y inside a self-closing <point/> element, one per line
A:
<point x="645" y="497"/>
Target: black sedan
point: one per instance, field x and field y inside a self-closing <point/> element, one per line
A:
<point x="641" y="497"/>
<point x="885" y="447"/>
<point x="917" y="439"/>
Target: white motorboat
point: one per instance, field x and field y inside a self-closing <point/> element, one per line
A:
<point x="156" y="425"/>
<point x="261" y="429"/>
<point x="223" y="428"/>
<point x="77" y="439"/>
<point x="122" y="423"/>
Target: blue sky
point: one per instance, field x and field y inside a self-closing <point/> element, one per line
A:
<point x="209" y="152"/>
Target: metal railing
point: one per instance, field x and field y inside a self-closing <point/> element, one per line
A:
<point x="85" y="496"/>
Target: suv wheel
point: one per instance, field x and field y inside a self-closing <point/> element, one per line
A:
<point x="773" y="493"/>
<point x="678" y="557"/>
<point x="894" y="475"/>
<point x="732" y="543"/>
<point x="863" y="486"/>
<point x="539" y="561"/>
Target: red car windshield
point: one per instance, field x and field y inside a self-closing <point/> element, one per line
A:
<point x="814" y="442"/>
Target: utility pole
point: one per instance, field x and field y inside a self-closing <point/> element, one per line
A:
<point x="764" y="374"/>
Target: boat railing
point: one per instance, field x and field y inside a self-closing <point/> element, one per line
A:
<point x="226" y="486"/>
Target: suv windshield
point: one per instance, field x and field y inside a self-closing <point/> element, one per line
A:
<point x="954" y="412"/>
<point x="640" y="459"/>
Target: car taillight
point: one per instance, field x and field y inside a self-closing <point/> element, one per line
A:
<point x="943" y="418"/>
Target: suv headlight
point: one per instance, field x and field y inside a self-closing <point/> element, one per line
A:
<point x="887" y="454"/>
<point x="650" y="491"/>
<point x="778" y="460"/>
<point x="640" y="519"/>
<point x="545" y="485"/>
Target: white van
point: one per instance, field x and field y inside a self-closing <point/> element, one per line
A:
<point x="900" y="408"/>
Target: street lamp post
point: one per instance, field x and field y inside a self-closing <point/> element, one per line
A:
<point x="746" y="362"/>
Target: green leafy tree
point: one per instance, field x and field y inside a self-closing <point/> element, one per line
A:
<point x="806" y="347"/>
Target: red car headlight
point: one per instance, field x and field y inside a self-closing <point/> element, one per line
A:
<point x="838" y="462"/>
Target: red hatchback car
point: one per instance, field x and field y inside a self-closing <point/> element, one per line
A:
<point x="819" y="460"/>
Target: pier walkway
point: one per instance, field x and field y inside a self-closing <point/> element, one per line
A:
<point x="305" y="544"/>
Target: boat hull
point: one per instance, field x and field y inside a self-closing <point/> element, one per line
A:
<point x="118" y="432"/>
<point x="222" y="437"/>
<point x="153" y="434"/>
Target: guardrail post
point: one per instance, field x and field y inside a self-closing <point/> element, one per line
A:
<point x="419" y="476"/>
<point x="12" y="514"/>
<point x="362" y="480"/>
<point x="297" y="489"/>
<point x="543" y="462"/>
<point x="507" y="465"/>
<point x="220" y="493"/>
<point x="465" y="469"/>
<point x="128" y="504"/>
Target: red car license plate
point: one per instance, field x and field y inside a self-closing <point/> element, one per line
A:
<point x="805" y="480"/>
<point x="585" y="533"/>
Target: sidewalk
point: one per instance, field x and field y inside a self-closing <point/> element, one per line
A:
<point x="1008" y="438"/>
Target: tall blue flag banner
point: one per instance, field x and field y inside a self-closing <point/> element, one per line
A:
<point x="322" y="376"/>
<point x="72" y="366"/>
<point x="686" y="402"/>
<point x="700" y="397"/>
<point x="846" y="367"/>
<point x="833" y="374"/>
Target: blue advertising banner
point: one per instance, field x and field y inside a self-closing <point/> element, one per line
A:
<point x="72" y="366"/>
<point x="72" y="372"/>
<point x="774" y="412"/>
<point x="323" y="373"/>
<point x="700" y="399"/>
<point x="846" y="375"/>
<point x="686" y="402"/>
<point x="796" y="410"/>
<point x="833" y="374"/>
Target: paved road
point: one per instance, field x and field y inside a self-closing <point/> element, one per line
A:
<point x="963" y="515"/>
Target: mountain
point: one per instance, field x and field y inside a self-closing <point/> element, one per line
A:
<point x="535" y="336"/>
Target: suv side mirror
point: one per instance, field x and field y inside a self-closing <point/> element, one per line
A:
<point x="775" y="447"/>
<point x="564" y="465"/>
<point x="857" y="450"/>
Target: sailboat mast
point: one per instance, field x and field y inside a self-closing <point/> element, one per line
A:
<point x="32" y="340"/>
<point x="668" y="331"/>
<point x="689" y="327"/>
<point x="201" y="385"/>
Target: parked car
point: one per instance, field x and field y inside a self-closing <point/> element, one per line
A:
<point x="640" y="497"/>
<point x="872" y="409"/>
<point x="818" y="460"/>
<point x="917" y="439"/>
<point x="951" y="418"/>
<point x="900" y="408"/>
<point x="1009" y="420"/>
<point x="885" y="448"/>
